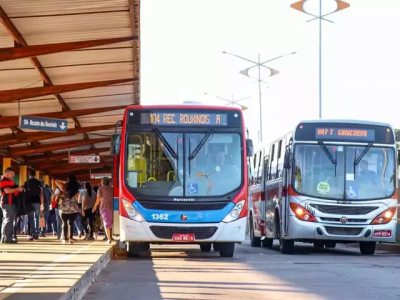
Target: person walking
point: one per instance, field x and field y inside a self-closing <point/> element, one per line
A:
<point x="88" y="200"/>
<point x="35" y="197"/>
<point x="57" y="213"/>
<point x="9" y="192"/>
<point x="105" y="200"/>
<point x="47" y="193"/>
<point x="78" y="221"/>
<point x="68" y="205"/>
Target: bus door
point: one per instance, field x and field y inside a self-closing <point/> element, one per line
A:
<point x="268" y="221"/>
<point x="287" y="166"/>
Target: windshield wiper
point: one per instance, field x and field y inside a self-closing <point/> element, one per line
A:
<point x="357" y="160"/>
<point x="166" y="144"/>
<point x="331" y="158"/>
<point x="201" y="144"/>
<point x="189" y="161"/>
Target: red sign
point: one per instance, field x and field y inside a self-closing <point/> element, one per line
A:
<point x="178" y="237"/>
<point x="382" y="233"/>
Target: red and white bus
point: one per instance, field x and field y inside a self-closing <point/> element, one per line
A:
<point x="181" y="177"/>
<point x="326" y="182"/>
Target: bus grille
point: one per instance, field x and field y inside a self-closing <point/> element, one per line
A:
<point x="200" y="233"/>
<point x="344" y="210"/>
<point x="338" y="220"/>
<point x="177" y="206"/>
<point x="343" y="230"/>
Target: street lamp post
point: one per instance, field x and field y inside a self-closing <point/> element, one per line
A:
<point x="259" y="64"/>
<point x="340" y="5"/>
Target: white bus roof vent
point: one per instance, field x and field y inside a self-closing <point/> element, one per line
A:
<point x="192" y="102"/>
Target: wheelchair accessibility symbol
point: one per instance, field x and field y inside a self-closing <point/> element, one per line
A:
<point x="192" y="188"/>
<point x="352" y="192"/>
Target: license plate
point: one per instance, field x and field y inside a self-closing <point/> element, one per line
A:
<point x="178" y="237"/>
<point x="382" y="233"/>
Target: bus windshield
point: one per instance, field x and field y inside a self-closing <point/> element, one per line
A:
<point x="164" y="163"/>
<point x="351" y="178"/>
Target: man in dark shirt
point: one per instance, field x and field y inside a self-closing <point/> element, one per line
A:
<point x="47" y="197"/>
<point x="34" y="191"/>
<point x="9" y="191"/>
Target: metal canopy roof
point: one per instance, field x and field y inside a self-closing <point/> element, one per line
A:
<point x="91" y="112"/>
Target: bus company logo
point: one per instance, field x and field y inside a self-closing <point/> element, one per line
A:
<point x="184" y="217"/>
<point x="184" y="199"/>
<point x="343" y="220"/>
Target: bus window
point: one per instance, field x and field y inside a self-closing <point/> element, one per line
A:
<point x="279" y="160"/>
<point x="260" y="167"/>
<point x="272" y="164"/>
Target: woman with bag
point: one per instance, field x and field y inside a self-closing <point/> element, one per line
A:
<point x="68" y="205"/>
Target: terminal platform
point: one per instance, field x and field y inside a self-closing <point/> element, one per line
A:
<point x="47" y="269"/>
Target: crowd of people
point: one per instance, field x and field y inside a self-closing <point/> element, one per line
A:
<point x="73" y="209"/>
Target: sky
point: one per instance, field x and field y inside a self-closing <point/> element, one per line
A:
<point x="181" y="59"/>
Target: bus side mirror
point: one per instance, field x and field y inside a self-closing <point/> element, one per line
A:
<point x="115" y="144"/>
<point x="249" y="148"/>
<point x="287" y="162"/>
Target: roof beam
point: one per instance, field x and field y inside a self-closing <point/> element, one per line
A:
<point x="19" y="94"/>
<point x="27" y="150"/>
<point x="85" y="167"/>
<point x="26" y="137"/>
<point x="135" y="23"/>
<point x="36" y="50"/>
<point x="63" y="155"/>
<point x="59" y="163"/>
<point x="10" y="121"/>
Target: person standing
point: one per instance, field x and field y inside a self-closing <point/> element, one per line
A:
<point x="88" y="199"/>
<point x="105" y="200"/>
<point x="57" y="213"/>
<point x="9" y="191"/>
<point x="47" y="198"/>
<point x="34" y="191"/>
<point x="78" y="221"/>
<point x="68" y="205"/>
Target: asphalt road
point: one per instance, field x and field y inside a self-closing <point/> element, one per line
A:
<point x="183" y="272"/>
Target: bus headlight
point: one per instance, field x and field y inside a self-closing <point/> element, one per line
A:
<point x="132" y="212"/>
<point x="234" y="213"/>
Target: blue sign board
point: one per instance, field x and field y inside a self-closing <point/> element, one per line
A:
<point x="43" y="124"/>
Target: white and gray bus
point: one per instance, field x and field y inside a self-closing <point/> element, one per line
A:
<point x="326" y="182"/>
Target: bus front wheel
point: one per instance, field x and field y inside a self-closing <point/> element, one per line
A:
<point x="367" y="248"/>
<point x="286" y="246"/>
<point x="226" y="249"/>
<point x="134" y="249"/>
<point x="205" y="247"/>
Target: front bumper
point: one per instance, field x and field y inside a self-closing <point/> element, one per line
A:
<point x="133" y="231"/>
<point x="301" y="230"/>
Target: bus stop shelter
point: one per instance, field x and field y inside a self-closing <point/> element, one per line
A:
<point x="74" y="61"/>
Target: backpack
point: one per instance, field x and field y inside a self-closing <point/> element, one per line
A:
<point x="33" y="187"/>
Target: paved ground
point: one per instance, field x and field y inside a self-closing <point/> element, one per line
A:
<point x="45" y="269"/>
<point x="183" y="272"/>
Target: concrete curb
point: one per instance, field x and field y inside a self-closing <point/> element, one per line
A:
<point x="79" y="289"/>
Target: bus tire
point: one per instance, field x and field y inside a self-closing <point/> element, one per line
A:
<point x="286" y="246"/>
<point x="268" y="243"/>
<point x="254" y="241"/>
<point x="205" y="247"/>
<point x="319" y="244"/>
<point x="133" y="249"/>
<point x="330" y="244"/>
<point x="367" y="248"/>
<point x="227" y="249"/>
<point x="216" y="246"/>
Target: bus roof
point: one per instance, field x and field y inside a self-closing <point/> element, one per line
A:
<point x="347" y="121"/>
<point x="180" y="106"/>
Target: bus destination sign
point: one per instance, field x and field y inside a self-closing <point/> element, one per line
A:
<point x="183" y="119"/>
<point x="345" y="133"/>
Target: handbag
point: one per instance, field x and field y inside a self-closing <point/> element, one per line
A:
<point x="42" y="221"/>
